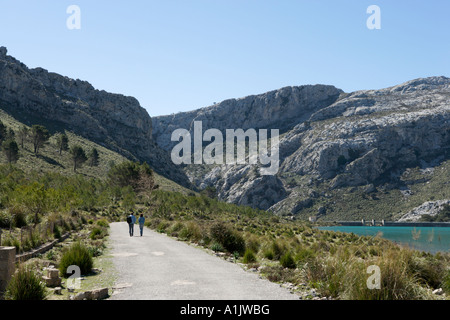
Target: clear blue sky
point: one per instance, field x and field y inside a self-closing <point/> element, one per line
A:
<point x="179" y="55"/>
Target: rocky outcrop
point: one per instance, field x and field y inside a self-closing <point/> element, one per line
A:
<point x="244" y="185"/>
<point x="280" y="109"/>
<point x="333" y="138"/>
<point x="431" y="208"/>
<point x="399" y="126"/>
<point x="112" y="120"/>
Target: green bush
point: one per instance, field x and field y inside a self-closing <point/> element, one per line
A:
<point x="163" y="226"/>
<point x="304" y="255"/>
<point x="98" y="233"/>
<point x="77" y="255"/>
<point x="6" y="220"/>
<point x="57" y="232"/>
<point x="278" y="250"/>
<point x="19" y="217"/>
<point x="231" y="240"/>
<point x="190" y="231"/>
<point x="287" y="261"/>
<point x="217" y="247"/>
<point x="249" y="256"/>
<point x="25" y="285"/>
<point x="103" y="223"/>
<point x="175" y="229"/>
<point x="446" y="283"/>
<point x="268" y="254"/>
<point x="252" y="243"/>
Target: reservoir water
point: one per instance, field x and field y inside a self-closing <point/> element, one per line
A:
<point x="429" y="239"/>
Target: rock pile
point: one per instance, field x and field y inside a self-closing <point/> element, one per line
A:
<point x="52" y="279"/>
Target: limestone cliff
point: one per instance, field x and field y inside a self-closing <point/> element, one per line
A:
<point x="331" y="141"/>
<point x="112" y="120"/>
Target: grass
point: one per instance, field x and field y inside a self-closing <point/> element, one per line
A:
<point x="333" y="263"/>
<point x="26" y="285"/>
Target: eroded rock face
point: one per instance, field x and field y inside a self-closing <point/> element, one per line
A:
<point x="399" y="126"/>
<point x="329" y="138"/>
<point x="431" y="208"/>
<point x="280" y="109"/>
<point x="340" y="139"/>
<point x="113" y="120"/>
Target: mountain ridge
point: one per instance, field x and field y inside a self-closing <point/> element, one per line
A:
<point x="112" y="120"/>
<point x="364" y="145"/>
<point x="356" y="140"/>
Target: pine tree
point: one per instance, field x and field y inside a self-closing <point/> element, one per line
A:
<point x="23" y="135"/>
<point x="62" y="142"/>
<point x="11" y="150"/>
<point x="3" y="132"/>
<point x="78" y="157"/>
<point x="39" y="136"/>
<point x="94" y="158"/>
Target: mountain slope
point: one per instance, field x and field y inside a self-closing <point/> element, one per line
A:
<point x="49" y="159"/>
<point x="119" y="123"/>
<point x="359" y="146"/>
<point x="367" y="154"/>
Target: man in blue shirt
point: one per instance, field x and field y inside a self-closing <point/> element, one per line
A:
<point x="131" y="219"/>
<point x="141" y="223"/>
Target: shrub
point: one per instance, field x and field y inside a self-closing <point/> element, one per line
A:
<point x="228" y="238"/>
<point x="57" y="232"/>
<point x="252" y="243"/>
<point x="19" y="217"/>
<point x="25" y="285"/>
<point x="268" y="254"/>
<point x="163" y="226"/>
<point x="217" y="247"/>
<point x="280" y="274"/>
<point x="249" y="256"/>
<point x="278" y="250"/>
<point x="287" y="261"/>
<point x="429" y="270"/>
<point x="304" y="255"/>
<point x="6" y="219"/>
<point x="77" y="255"/>
<point x="103" y="223"/>
<point x="191" y="232"/>
<point x="446" y="283"/>
<point x="98" y="233"/>
<point x="175" y="229"/>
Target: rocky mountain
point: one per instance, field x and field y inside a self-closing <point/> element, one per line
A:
<point x="36" y="96"/>
<point x="373" y="154"/>
<point x="431" y="208"/>
<point x="280" y="109"/>
<point x="334" y="145"/>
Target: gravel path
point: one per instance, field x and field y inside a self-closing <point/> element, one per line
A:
<point x="156" y="267"/>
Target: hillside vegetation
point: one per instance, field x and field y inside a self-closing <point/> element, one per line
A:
<point x="44" y="188"/>
<point x="50" y="160"/>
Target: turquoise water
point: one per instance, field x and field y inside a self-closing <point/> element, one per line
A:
<point x="427" y="239"/>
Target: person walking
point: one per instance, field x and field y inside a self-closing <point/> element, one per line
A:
<point x="131" y="219"/>
<point x="141" y="223"/>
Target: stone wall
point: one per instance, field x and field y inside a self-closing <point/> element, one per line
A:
<point x="40" y="250"/>
<point x="7" y="266"/>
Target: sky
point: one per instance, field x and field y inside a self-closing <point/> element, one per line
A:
<point x="181" y="55"/>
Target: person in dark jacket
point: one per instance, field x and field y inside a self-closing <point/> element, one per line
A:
<point x="131" y="219"/>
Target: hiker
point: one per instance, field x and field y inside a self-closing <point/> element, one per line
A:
<point x="141" y="223"/>
<point x="131" y="219"/>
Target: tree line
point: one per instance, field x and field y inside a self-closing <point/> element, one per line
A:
<point x="38" y="136"/>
